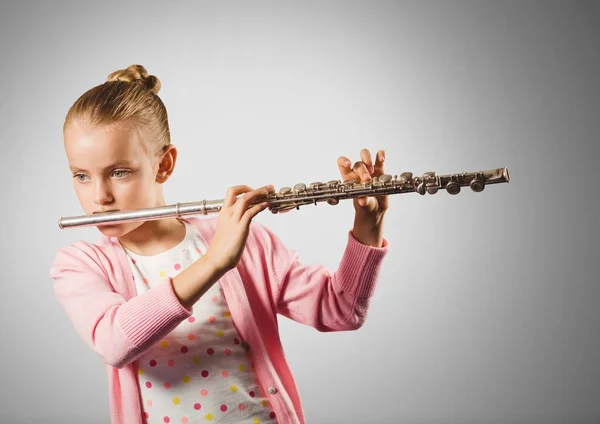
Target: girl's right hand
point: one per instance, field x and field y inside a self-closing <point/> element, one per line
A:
<point x="233" y="225"/>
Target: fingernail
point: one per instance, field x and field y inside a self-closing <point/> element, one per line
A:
<point x="348" y="163"/>
<point x="382" y="155"/>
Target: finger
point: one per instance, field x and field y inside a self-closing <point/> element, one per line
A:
<point x="233" y="192"/>
<point x="379" y="164"/>
<point x="360" y="169"/>
<point x="253" y="211"/>
<point x="345" y="167"/>
<point x="365" y="156"/>
<point x="251" y="198"/>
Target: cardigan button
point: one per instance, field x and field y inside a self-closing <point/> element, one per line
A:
<point x="245" y="346"/>
<point x="272" y="390"/>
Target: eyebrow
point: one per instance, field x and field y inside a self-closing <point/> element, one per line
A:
<point x="113" y="165"/>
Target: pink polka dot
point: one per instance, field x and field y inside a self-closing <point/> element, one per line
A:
<point x="184" y="420"/>
<point x="167" y="385"/>
<point x="146" y="415"/>
<point x="197" y="406"/>
<point x="149" y="402"/>
<point x="251" y="393"/>
<point x="225" y="373"/>
<point x="145" y="280"/>
<point x="242" y="406"/>
<point x="223" y="408"/>
<point x="184" y="349"/>
<point x="204" y="392"/>
<point x="191" y="336"/>
<point x="191" y="319"/>
<point x="167" y="420"/>
<point x="171" y="362"/>
<point x="204" y="373"/>
<point x="210" y="351"/>
<point x="272" y="415"/>
<point x="198" y="250"/>
<point x="153" y="363"/>
<point x="177" y="267"/>
<point x="211" y="319"/>
<point x="236" y="340"/>
<point x="133" y="260"/>
<point x="215" y="298"/>
<point x="227" y="351"/>
<point x="148" y="384"/>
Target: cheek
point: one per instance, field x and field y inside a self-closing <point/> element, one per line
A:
<point x="135" y="191"/>
<point x="85" y="197"/>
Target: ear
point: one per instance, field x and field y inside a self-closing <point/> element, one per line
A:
<point x="166" y="166"/>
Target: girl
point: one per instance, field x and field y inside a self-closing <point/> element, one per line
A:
<point x="183" y="311"/>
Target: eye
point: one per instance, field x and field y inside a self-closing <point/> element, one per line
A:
<point x="121" y="173"/>
<point x="78" y="177"/>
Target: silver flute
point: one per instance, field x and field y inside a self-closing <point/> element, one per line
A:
<point x="288" y="198"/>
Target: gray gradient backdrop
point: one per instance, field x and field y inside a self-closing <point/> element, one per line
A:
<point x="487" y="306"/>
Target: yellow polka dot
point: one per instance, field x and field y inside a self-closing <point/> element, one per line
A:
<point x="162" y="274"/>
<point x="256" y="421"/>
<point x="164" y="344"/>
<point x="220" y="333"/>
<point x="140" y="371"/>
<point x="263" y="402"/>
<point x="196" y="359"/>
<point x="176" y="400"/>
<point x="242" y="367"/>
<point x="209" y="417"/>
<point x="233" y="388"/>
<point x="186" y="379"/>
<point x="227" y="315"/>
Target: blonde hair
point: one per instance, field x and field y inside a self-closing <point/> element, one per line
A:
<point x="127" y="95"/>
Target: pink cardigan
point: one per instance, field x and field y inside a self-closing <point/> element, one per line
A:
<point x="94" y="284"/>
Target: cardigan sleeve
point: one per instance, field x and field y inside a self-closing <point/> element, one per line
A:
<point x="312" y="294"/>
<point x="117" y="330"/>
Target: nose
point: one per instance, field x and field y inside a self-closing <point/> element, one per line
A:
<point x="103" y="195"/>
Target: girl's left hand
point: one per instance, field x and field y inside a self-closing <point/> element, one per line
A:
<point x="364" y="171"/>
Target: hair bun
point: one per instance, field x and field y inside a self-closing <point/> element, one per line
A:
<point x="135" y="73"/>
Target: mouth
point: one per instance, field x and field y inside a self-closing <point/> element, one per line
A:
<point x="112" y="210"/>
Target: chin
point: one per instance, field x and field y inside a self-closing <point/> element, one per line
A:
<point x="117" y="230"/>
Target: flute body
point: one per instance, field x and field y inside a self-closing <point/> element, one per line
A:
<point x="288" y="198"/>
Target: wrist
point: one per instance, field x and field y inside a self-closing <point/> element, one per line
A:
<point x="368" y="228"/>
<point x="214" y="267"/>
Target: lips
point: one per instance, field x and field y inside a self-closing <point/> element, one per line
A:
<point x="112" y="210"/>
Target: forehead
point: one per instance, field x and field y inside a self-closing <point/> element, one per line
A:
<point x="99" y="146"/>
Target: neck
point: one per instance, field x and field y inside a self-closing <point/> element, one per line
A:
<point x="154" y="237"/>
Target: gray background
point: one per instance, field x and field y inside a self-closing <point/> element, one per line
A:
<point x="486" y="310"/>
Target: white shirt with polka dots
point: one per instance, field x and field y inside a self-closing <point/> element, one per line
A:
<point x="201" y="371"/>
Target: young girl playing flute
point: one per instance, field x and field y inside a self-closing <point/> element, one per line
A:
<point x="183" y="311"/>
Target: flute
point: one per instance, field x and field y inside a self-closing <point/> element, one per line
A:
<point x="288" y="198"/>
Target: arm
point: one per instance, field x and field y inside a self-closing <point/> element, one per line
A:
<point x="313" y="295"/>
<point x="117" y="330"/>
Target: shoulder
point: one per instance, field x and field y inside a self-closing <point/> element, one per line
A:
<point x="82" y="256"/>
<point x="259" y="236"/>
<point x="207" y="227"/>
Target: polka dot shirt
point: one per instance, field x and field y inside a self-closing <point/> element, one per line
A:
<point x="201" y="371"/>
